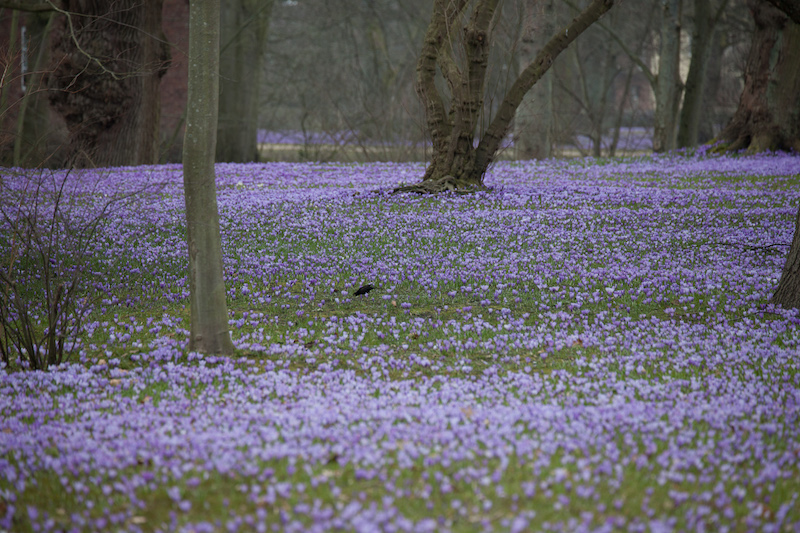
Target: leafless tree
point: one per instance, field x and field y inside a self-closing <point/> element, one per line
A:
<point x="209" y="311"/>
<point x="457" y="44"/>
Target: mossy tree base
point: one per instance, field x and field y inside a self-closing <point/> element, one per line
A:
<point x="442" y="185"/>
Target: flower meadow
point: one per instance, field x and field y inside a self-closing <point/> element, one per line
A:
<point x="587" y="346"/>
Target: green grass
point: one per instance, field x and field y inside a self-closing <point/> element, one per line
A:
<point x="462" y="336"/>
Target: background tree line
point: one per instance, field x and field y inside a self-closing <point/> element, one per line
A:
<point x="98" y="69"/>
<point x="104" y="83"/>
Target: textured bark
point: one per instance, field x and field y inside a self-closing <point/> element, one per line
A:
<point x="787" y="294"/>
<point x="209" y="312"/>
<point x="453" y="130"/>
<point x="107" y="63"/>
<point x="243" y="34"/>
<point x="533" y="124"/>
<point x="456" y="163"/>
<point x="668" y="82"/>
<point x="768" y="115"/>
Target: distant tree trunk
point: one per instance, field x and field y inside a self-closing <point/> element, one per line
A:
<point x="108" y="59"/>
<point x="243" y="33"/>
<point x="615" y="130"/>
<point x="209" y="311"/>
<point x="668" y="83"/>
<point x="10" y="54"/>
<point x="533" y="123"/>
<point x="768" y="116"/>
<point x="456" y="162"/>
<point x="709" y="115"/>
<point x="31" y="143"/>
<point x="702" y="40"/>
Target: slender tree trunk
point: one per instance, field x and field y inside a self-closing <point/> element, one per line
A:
<point x="768" y="116"/>
<point x="243" y="34"/>
<point x="612" y="150"/>
<point x="209" y="312"/>
<point x="10" y="58"/>
<point x="108" y="61"/>
<point x="668" y="84"/>
<point x="534" y="120"/>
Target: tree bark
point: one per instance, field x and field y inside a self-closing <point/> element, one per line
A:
<point x="209" y="312"/>
<point x="243" y="32"/>
<point x="533" y="123"/>
<point x="702" y="40"/>
<point x="107" y="64"/>
<point x="787" y="294"/>
<point x="456" y="162"/>
<point x="668" y="82"/>
<point x="768" y="115"/>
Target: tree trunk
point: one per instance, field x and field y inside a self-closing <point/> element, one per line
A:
<point x="702" y="39"/>
<point x="34" y="131"/>
<point x="108" y="60"/>
<point x="456" y="162"/>
<point x="243" y="32"/>
<point x="768" y="116"/>
<point x="533" y="123"/>
<point x="668" y="84"/>
<point x="787" y="294"/>
<point x="709" y="113"/>
<point x="209" y="312"/>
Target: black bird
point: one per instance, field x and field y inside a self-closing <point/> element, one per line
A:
<point x="364" y="290"/>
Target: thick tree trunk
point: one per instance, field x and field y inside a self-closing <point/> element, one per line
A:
<point x="209" y="312"/>
<point x="533" y="124"/>
<point x="668" y="84"/>
<point x="107" y="64"/>
<point x="456" y="162"/>
<point x="768" y="116"/>
<point x="709" y="115"/>
<point x="787" y="294"/>
<point x="243" y="34"/>
<point x="702" y="39"/>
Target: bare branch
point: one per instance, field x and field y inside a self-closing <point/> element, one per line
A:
<point x="633" y="56"/>
<point x="490" y="142"/>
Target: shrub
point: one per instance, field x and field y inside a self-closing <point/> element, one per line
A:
<point x="46" y="240"/>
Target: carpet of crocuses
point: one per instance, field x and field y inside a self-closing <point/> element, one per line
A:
<point x="588" y="346"/>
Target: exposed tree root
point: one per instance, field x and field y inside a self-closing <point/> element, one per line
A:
<point x="444" y="184"/>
